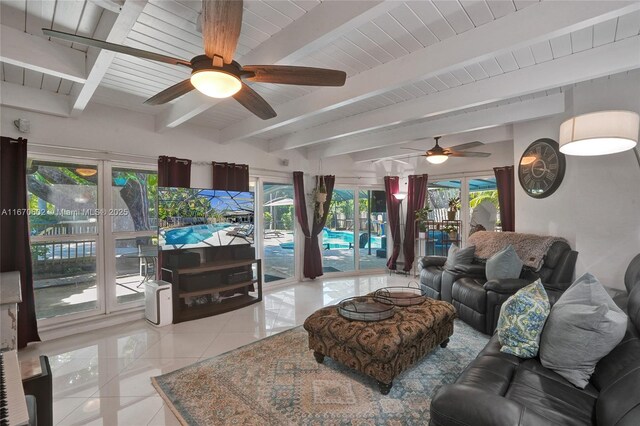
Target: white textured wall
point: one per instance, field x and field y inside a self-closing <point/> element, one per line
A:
<point x="106" y="128"/>
<point x="597" y="207"/>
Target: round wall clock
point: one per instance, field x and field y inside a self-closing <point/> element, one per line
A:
<point x="541" y="168"/>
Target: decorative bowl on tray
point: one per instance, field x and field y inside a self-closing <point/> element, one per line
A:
<point x="412" y="294"/>
<point x="366" y="308"/>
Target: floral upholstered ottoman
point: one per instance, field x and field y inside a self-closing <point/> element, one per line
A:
<point x="381" y="349"/>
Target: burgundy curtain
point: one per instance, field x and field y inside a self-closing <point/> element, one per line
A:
<point x="312" y="256"/>
<point x="506" y="197"/>
<point x="174" y="172"/>
<point x="416" y="194"/>
<point x="230" y="176"/>
<point x="392" y="186"/>
<point x="15" y="251"/>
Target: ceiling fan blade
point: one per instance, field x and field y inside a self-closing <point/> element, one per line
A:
<point x="469" y="154"/>
<point x="464" y="146"/>
<point x="255" y="103"/>
<point x="301" y="76"/>
<point x="116" y="47"/>
<point x="171" y="93"/>
<point x="221" y="24"/>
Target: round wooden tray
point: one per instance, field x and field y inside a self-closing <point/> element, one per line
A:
<point x="412" y="294"/>
<point x="366" y="308"/>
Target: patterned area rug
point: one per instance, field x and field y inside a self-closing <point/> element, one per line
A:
<point x="276" y="381"/>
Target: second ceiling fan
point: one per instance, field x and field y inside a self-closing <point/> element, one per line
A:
<point x="215" y="73"/>
<point x="438" y="155"/>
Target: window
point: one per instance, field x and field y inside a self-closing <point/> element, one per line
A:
<point x="279" y="232"/>
<point x="338" y="236"/>
<point x="484" y="210"/>
<point x="92" y="239"/>
<point x="133" y="241"/>
<point x="372" y="240"/>
<point x="63" y="206"/>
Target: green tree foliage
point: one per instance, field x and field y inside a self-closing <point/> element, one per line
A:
<point x="477" y="197"/>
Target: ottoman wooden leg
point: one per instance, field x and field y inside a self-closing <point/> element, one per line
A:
<point x="319" y="357"/>
<point x="445" y="343"/>
<point x="385" y="387"/>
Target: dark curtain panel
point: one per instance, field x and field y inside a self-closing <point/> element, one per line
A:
<point x="230" y="176"/>
<point x="506" y="197"/>
<point x="392" y="186"/>
<point x="174" y="172"/>
<point x="15" y="252"/>
<point x="416" y="194"/>
<point x="312" y="256"/>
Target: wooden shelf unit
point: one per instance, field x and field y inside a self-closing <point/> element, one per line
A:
<point x="212" y="278"/>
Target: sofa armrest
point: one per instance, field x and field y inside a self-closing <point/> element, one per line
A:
<point x="461" y="405"/>
<point x="506" y="286"/>
<point x="471" y="269"/>
<point x="432" y="261"/>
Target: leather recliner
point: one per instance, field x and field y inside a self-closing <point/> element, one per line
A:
<point x="431" y="269"/>
<point x="499" y="389"/>
<point x="478" y="301"/>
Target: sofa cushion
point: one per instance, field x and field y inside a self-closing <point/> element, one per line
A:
<point x="522" y="319"/>
<point x="505" y="264"/>
<point x="456" y="256"/>
<point x="556" y="400"/>
<point x="584" y="325"/>
<point x="469" y="292"/>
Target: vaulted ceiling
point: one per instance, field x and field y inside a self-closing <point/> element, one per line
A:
<point x="415" y="68"/>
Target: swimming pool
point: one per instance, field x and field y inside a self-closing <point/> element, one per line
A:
<point x="193" y="234"/>
<point x="340" y="240"/>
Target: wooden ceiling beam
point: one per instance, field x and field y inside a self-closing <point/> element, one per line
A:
<point x="31" y="99"/>
<point x="605" y="60"/>
<point x="113" y="28"/>
<point x="535" y="23"/>
<point x="39" y="54"/>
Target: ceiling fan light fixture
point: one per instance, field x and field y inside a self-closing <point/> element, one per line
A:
<point x="437" y="158"/>
<point x="216" y="83"/>
<point x="599" y="133"/>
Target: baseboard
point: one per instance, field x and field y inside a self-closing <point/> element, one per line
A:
<point x="83" y="325"/>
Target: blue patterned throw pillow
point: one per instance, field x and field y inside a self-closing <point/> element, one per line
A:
<point x="522" y="319"/>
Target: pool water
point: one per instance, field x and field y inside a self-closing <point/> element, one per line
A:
<point x="340" y="240"/>
<point x="193" y="234"/>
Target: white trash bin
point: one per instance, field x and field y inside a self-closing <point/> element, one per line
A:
<point x="158" y="303"/>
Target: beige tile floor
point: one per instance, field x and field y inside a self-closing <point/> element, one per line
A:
<point x="103" y="377"/>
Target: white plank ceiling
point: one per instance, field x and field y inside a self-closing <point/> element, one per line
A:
<point x="405" y="27"/>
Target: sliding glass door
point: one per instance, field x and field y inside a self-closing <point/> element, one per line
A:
<point x="338" y="240"/>
<point x="63" y="202"/>
<point x="278" y="232"/>
<point x="93" y="236"/>
<point x="372" y="237"/>
<point x="132" y="242"/>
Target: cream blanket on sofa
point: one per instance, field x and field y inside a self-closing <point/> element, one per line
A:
<point x="531" y="248"/>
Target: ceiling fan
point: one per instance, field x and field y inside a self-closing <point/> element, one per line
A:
<point x="438" y="155"/>
<point x="215" y="73"/>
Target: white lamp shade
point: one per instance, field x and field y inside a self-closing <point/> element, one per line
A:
<point x="600" y="133"/>
<point x="437" y="159"/>
<point x="400" y="195"/>
<point x="216" y="84"/>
